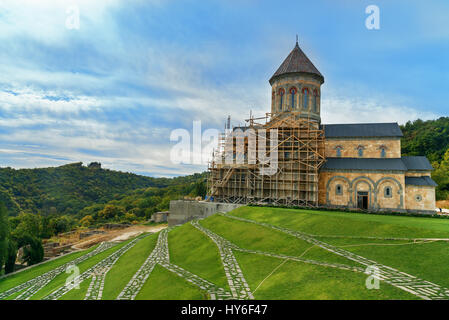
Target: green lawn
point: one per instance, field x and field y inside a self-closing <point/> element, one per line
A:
<point x="251" y="236"/>
<point x="269" y="277"/>
<point x="77" y="294"/>
<point x="296" y="280"/>
<point x="429" y="261"/>
<point x="126" y="266"/>
<point x="347" y="223"/>
<point x="165" y="285"/>
<point x="23" y="276"/>
<point x="59" y="280"/>
<point x="192" y="250"/>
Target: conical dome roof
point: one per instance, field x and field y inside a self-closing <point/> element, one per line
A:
<point x="296" y="61"/>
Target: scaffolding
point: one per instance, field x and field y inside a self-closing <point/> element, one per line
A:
<point x="294" y="180"/>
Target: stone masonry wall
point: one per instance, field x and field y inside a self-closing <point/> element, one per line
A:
<point x="374" y="183"/>
<point x="371" y="147"/>
<point x="182" y="211"/>
<point x="420" y="198"/>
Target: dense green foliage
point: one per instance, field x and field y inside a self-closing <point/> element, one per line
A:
<point x="441" y="176"/>
<point x="431" y="139"/>
<point x="426" y="138"/>
<point x="45" y="202"/>
<point x="4" y="235"/>
<point x="68" y="189"/>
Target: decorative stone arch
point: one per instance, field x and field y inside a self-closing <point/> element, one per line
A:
<point x="400" y="190"/>
<point x="328" y="185"/>
<point x="371" y="190"/>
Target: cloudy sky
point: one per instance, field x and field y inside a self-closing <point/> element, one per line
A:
<point x="113" y="88"/>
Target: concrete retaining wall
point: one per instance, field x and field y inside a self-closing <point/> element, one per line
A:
<point x="182" y="211"/>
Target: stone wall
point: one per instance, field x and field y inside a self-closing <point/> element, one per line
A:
<point x="182" y="211"/>
<point x="372" y="182"/>
<point x="420" y="198"/>
<point x="286" y="82"/>
<point x="372" y="147"/>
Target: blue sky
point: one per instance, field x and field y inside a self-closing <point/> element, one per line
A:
<point x="114" y="89"/>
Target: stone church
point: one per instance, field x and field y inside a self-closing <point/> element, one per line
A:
<point x="329" y="165"/>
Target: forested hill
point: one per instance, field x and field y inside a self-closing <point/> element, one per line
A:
<point x="69" y="188"/>
<point x="429" y="138"/>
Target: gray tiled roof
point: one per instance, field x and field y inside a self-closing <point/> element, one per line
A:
<point x="297" y="61"/>
<point x="420" y="181"/>
<point x="395" y="164"/>
<point x="417" y="163"/>
<point x="362" y="130"/>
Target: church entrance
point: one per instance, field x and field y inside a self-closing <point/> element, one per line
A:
<point x="362" y="200"/>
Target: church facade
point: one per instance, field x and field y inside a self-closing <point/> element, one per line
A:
<point x="331" y="165"/>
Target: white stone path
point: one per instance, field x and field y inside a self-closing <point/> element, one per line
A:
<point x="232" y="246"/>
<point x="32" y="286"/>
<point x="98" y="272"/>
<point x="160" y="255"/>
<point x="414" y="285"/>
<point x="236" y="280"/>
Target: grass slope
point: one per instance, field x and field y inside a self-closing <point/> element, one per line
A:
<point x="347" y="223"/>
<point x="126" y="266"/>
<point x="296" y="280"/>
<point x="23" y="276"/>
<point x="251" y="236"/>
<point x="59" y="280"/>
<point x="272" y="277"/>
<point x="165" y="285"/>
<point x="194" y="251"/>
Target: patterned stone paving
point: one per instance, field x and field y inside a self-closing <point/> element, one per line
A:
<point x="34" y="285"/>
<point x="96" y="286"/>
<point x="421" y="288"/>
<point x="98" y="271"/>
<point x="236" y="280"/>
<point x="223" y="242"/>
<point x="160" y="255"/>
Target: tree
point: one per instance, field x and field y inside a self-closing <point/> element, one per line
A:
<point x="29" y="224"/>
<point x="111" y="211"/>
<point x="11" y="256"/>
<point x="87" y="221"/>
<point x="33" y="251"/>
<point x="441" y="176"/>
<point x="4" y="235"/>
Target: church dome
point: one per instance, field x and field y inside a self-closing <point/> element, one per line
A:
<point x="297" y="62"/>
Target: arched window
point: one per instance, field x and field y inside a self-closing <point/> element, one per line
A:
<point x="360" y="151"/>
<point x="388" y="192"/>
<point x="281" y="93"/>
<point x="292" y="94"/>
<point x="305" y="95"/>
<point x="383" y="152"/>
<point x="338" y="190"/>
<point x="338" y="150"/>
<point x="315" y="100"/>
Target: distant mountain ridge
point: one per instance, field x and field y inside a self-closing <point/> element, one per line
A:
<point x="69" y="188"/>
